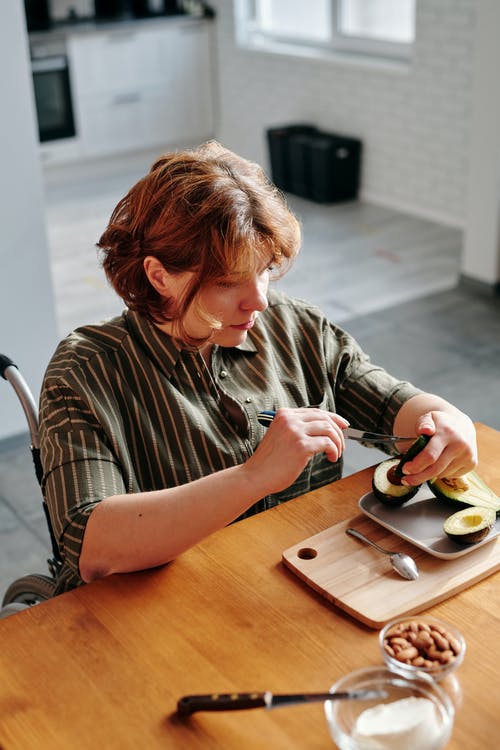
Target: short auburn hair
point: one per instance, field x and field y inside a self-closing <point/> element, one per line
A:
<point x="204" y="210"/>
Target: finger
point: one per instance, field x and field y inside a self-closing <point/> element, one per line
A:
<point x="333" y="451"/>
<point x="440" y="467"/>
<point x="456" y="469"/>
<point x="426" y="458"/>
<point x="326" y="436"/>
<point x="456" y="456"/>
<point x="338" y="424"/>
<point x="309" y="446"/>
<point x="314" y="423"/>
<point x="342" y="422"/>
<point x="425" y="424"/>
<point x="329" y="429"/>
<point x="313" y="412"/>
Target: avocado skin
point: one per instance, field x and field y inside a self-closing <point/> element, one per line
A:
<point x="412" y="451"/>
<point x="470" y="538"/>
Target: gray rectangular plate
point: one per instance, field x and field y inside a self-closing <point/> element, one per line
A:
<point x="420" y="521"/>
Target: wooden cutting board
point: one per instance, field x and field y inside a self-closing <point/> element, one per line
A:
<point x="361" y="581"/>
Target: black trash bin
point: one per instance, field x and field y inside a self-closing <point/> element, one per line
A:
<point x="323" y="167"/>
<point x="335" y="163"/>
<point x="278" y="140"/>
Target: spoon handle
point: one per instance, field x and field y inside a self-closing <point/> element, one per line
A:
<point x="363" y="538"/>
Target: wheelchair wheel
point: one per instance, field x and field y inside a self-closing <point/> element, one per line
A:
<point x="29" y="590"/>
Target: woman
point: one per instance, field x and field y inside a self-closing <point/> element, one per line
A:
<point x="150" y="439"/>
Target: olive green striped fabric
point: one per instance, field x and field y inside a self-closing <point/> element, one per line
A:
<point x="124" y="410"/>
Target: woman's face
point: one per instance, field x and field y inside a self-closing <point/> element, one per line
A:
<point x="232" y="302"/>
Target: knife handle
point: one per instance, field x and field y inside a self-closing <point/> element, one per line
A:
<point x="188" y="704"/>
<point x="266" y="417"/>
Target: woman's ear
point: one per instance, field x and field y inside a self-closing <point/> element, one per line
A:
<point x="158" y="276"/>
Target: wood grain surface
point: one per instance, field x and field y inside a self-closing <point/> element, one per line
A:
<point x="361" y="581"/>
<point x="103" y="666"/>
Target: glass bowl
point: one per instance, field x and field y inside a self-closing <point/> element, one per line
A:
<point x="410" y="645"/>
<point x="404" y="725"/>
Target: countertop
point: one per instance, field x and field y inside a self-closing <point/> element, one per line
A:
<point x="59" y="30"/>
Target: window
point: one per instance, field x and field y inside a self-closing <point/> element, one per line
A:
<point x="382" y="28"/>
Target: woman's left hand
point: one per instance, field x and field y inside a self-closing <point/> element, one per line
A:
<point x="451" y="450"/>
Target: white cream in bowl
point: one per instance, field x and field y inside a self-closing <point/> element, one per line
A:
<point x="409" y="723"/>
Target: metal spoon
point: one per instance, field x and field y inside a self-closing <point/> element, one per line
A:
<point x="402" y="564"/>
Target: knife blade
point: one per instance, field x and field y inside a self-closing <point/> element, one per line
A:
<point x="189" y="704"/>
<point x="266" y="417"/>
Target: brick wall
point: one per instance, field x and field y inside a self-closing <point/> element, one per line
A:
<point x="414" y="121"/>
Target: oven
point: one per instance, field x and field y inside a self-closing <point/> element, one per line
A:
<point x="52" y="88"/>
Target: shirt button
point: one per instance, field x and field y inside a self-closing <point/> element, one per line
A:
<point x="223" y="373"/>
<point x="248" y="400"/>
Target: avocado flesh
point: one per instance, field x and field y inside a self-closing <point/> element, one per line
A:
<point x="465" y="491"/>
<point x="386" y="491"/>
<point x="470" y="525"/>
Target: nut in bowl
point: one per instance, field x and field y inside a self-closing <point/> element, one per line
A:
<point x="415" y="714"/>
<point x="422" y="644"/>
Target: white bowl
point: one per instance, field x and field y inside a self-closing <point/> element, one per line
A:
<point x="348" y="732"/>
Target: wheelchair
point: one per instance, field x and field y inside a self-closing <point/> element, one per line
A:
<point x="33" y="588"/>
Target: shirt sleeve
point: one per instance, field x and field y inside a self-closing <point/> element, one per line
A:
<point x="80" y="468"/>
<point x="365" y="393"/>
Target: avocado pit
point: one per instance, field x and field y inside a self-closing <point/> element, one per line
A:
<point x="393" y="477"/>
<point x="387" y="486"/>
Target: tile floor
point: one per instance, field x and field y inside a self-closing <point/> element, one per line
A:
<point x="391" y="279"/>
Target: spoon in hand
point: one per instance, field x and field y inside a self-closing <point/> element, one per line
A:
<point x="402" y="564"/>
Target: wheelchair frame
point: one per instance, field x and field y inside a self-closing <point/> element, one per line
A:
<point x="33" y="588"/>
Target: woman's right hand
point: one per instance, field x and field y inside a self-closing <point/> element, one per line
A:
<point x="134" y="531"/>
<point x="292" y="439"/>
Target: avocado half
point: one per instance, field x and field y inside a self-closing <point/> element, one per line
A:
<point x="464" y="491"/>
<point x="387" y="487"/>
<point x="470" y="525"/>
<point x="386" y="482"/>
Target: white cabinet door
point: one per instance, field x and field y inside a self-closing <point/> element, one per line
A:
<point x="115" y="61"/>
<point x="189" y="56"/>
<point x="143" y="88"/>
<point x="110" y="124"/>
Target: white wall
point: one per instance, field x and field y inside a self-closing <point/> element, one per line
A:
<point x="482" y="234"/>
<point x="431" y="132"/>
<point x="415" y="123"/>
<point x="27" y="320"/>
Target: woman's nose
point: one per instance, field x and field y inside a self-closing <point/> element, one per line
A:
<point x="255" y="297"/>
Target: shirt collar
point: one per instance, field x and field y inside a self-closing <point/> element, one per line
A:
<point x="162" y="348"/>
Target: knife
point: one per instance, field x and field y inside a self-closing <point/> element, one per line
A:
<point x="266" y="417"/>
<point x="188" y="704"/>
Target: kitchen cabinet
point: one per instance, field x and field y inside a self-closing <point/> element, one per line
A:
<point x="139" y="87"/>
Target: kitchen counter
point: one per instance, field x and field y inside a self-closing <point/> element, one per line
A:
<point x="60" y="30"/>
<point x="129" y="84"/>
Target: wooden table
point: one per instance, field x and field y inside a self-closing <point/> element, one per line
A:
<point x="104" y="665"/>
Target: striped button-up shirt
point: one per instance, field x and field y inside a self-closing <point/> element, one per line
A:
<point x="124" y="409"/>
